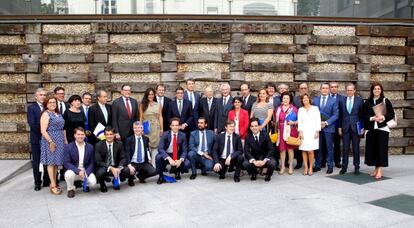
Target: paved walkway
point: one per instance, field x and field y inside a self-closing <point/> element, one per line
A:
<point x="288" y="201"/>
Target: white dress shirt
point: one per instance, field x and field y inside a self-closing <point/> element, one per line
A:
<point x="135" y="157"/>
<point x="200" y="138"/>
<point x="160" y="100"/>
<point x="81" y="150"/>
<point x="104" y="111"/>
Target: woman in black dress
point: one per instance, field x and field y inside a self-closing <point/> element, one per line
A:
<point x="377" y="131"/>
<point x="73" y="117"/>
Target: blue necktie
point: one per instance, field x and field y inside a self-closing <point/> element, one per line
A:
<point x="323" y="102"/>
<point x="203" y="143"/>
<point x="139" y="150"/>
<point x="228" y="146"/>
<point x="349" y="106"/>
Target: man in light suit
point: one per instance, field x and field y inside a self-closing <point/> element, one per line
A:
<point x="164" y="102"/>
<point x="33" y="118"/>
<point x="201" y="148"/>
<point x="172" y="150"/>
<point x="224" y="105"/>
<point x="350" y="111"/>
<point x="124" y="113"/>
<point x="99" y="113"/>
<point x="329" y="114"/>
<point x="208" y="106"/>
<point x="333" y="87"/>
<point x="138" y="155"/>
<point x="194" y="98"/>
<point x="228" y="152"/>
<point x="259" y="152"/>
<point x="181" y="109"/>
<point x="110" y="160"/>
<point x="248" y="99"/>
<point x="79" y="162"/>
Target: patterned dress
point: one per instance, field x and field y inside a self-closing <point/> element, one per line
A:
<point x="281" y="124"/>
<point x="55" y="131"/>
<point x="151" y="115"/>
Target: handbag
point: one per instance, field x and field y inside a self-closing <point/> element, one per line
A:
<point x="293" y="141"/>
<point x="273" y="137"/>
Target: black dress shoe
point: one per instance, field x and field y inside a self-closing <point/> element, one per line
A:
<point x="131" y="182"/>
<point x="71" y="193"/>
<point x="87" y="189"/>
<point x="37" y="187"/>
<point x="236" y="179"/>
<point x="268" y="178"/>
<point x="103" y="187"/>
<point x="338" y="165"/>
<point x="160" y="180"/>
<point x="298" y="166"/>
<point x="117" y="188"/>
<point x="356" y="172"/>
<point x="222" y="177"/>
<point x="343" y="171"/>
<point x="193" y="176"/>
<point x="46" y="184"/>
<point x="78" y="184"/>
<point x="177" y="176"/>
<point x="141" y="180"/>
<point x="329" y="171"/>
<point x="323" y="166"/>
<point x="203" y="173"/>
<point x="316" y="170"/>
<point x="253" y="177"/>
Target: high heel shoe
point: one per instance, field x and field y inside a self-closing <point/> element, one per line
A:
<point x="55" y="190"/>
<point x="282" y="171"/>
<point x="305" y="172"/>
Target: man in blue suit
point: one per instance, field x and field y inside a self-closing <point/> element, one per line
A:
<point x="350" y="108"/>
<point x="224" y="105"/>
<point x="33" y="118"/>
<point x="329" y="114"/>
<point x="172" y="150"/>
<point x="181" y="109"/>
<point x="194" y="99"/>
<point x="201" y="148"/>
<point x="79" y="162"/>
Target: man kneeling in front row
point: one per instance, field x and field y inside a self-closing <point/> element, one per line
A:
<point x="259" y="153"/>
<point x="79" y="162"/>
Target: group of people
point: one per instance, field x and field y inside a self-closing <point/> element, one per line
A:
<point x="138" y="140"/>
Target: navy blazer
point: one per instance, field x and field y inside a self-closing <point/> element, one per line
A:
<point x="330" y="109"/>
<point x="120" y="120"/>
<point x="249" y="104"/>
<point x="33" y="118"/>
<point x="276" y="102"/>
<point x="130" y="148"/>
<point x="165" y="110"/>
<point x="196" y="106"/>
<point x="297" y="102"/>
<point x="258" y="151"/>
<point x="219" y="146"/>
<point x="210" y="116"/>
<point x="338" y="97"/>
<point x="71" y="161"/>
<point x="349" y="121"/>
<point x="222" y="113"/>
<point x="165" y="141"/>
<point x="195" y="141"/>
<point x="186" y="112"/>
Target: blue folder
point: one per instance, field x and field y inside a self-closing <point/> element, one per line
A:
<point x="147" y="127"/>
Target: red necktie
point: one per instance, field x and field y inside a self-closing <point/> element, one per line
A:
<point x="175" y="148"/>
<point x="128" y="108"/>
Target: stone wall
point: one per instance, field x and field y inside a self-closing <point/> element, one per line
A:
<point x="89" y="56"/>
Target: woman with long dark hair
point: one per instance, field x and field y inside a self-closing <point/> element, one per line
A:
<point x="150" y="113"/>
<point x="377" y="130"/>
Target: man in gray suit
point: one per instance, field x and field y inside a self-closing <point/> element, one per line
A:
<point x="224" y="105"/>
<point x="124" y="113"/>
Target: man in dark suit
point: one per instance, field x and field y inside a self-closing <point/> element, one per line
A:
<point x="86" y="105"/>
<point x="124" y="113"/>
<point x="303" y="89"/>
<point x="33" y="118"/>
<point x="181" y="109"/>
<point x="99" y="113"/>
<point x="248" y="99"/>
<point x="201" y="148"/>
<point x="138" y="155"/>
<point x="259" y="152"/>
<point x="228" y="152"/>
<point x="164" y="102"/>
<point x="333" y="87"/>
<point x="79" y="162"/>
<point x="329" y="114"/>
<point x="350" y="111"/>
<point x="194" y="98"/>
<point x="208" y="105"/>
<point x="224" y="105"/>
<point x="110" y="160"/>
<point x="60" y="96"/>
<point x="172" y="150"/>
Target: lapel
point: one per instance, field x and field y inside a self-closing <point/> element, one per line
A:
<point x="76" y="155"/>
<point x="124" y="105"/>
<point x="102" y="116"/>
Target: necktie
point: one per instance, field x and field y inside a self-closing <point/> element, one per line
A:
<point x="41" y="107"/>
<point x="349" y="106"/>
<point x="180" y="107"/>
<point x="175" y="148"/>
<point x="209" y="104"/>
<point x="228" y="146"/>
<point x="224" y="101"/>
<point x="86" y="119"/>
<point x="190" y="96"/>
<point x="323" y="102"/>
<point x="203" y="142"/>
<point x="255" y="139"/>
<point x="244" y="100"/>
<point x="128" y="107"/>
<point x="105" y="113"/>
<point x="139" y="150"/>
<point x="61" y="108"/>
<point x="109" y="155"/>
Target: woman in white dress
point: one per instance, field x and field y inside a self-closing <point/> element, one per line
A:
<point x="309" y="126"/>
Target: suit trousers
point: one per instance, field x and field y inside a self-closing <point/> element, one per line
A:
<point x="234" y="162"/>
<point x="325" y="148"/>
<point x="337" y="147"/>
<point x="35" y="166"/>
<point x="206" y="164"/>
<point x="251" y="168"/>
<point x="102" y="173"/>
<point x="162" y="164"/>
<point x="143" y="170"/>
<point x="348" y="138"/>
<point x="71" y="177"/>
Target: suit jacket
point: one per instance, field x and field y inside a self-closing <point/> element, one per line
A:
<point x="195" y="141"/>
<point x="33" y="118"/>
<point x="210" y="115"/>
<point x="249" y="104"/>
<point x="276" y="102"/>
<point x="95" y="116"/>
<point x="258" y="151"/>
<point x="71" y="160"/>
<point x="120" y="120"/>
<point x="222" y="113"/>
<point x="130" y="148"/>
<point x="101" y="152"/>
<point x="67" y="106"/>
<point x="349" y="120"/>
<point x="165" y="109"/>
<point x="330" y="109"/>
<point x="243" y="121"/>
<point x="368" y="112"/>
<point x="219" y="146"/>
<point x="338" y="97"/>
<point x="186" y="113"/>
<point x="195" y="108"/>
<point x="165" y="141"/>
<point x="296" y="102"/>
